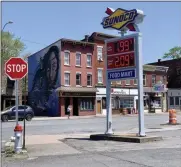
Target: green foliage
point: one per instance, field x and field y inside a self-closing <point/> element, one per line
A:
<point x="10" y="46"/>
<point x="174" y="53"/>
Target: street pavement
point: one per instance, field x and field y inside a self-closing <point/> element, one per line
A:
<point x="66" y="143"/>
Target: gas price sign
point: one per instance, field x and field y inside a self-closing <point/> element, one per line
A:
<point x="121" y="56"/>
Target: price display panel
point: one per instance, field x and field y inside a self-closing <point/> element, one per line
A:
<point x="120" y="46"/>
<point x="121" y="61"/>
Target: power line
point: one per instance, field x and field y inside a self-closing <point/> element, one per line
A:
<point x="33" y="42"/>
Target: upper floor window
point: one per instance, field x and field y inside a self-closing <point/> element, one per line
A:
<point x="78" y="59"/>
<point x="99" y="52"/>
<point x="89" y="60"/>
<point x="153" y="79"/>
<point x="66" y="58"/>
<point x="128" y="82"/>
<point x="67" y="78"/>
<point x="144" y="80"/>
<point x="89" y="79"/>
<point x="78" y="79"/>
<point x="135" y="82"/>
<point x="100" y="75"/>
<point x="119" y="82"/>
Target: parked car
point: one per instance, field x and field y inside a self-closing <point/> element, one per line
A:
<point x="10" y="113"/>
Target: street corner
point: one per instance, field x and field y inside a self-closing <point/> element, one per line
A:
<point x="9" y="153"/>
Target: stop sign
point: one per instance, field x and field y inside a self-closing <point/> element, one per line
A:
<point x="16" y="68"/>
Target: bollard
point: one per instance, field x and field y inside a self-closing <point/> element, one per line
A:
<point x="172" y="117"/>
<point x="18" y="136"/>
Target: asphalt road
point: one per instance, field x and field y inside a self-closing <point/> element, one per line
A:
<point x="88" y="125"/>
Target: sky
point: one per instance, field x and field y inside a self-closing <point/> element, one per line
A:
<point x="39" y="24"/>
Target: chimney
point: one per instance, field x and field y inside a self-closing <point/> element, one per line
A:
<point x="86" y="38"/>
<point x="159" y="60"/>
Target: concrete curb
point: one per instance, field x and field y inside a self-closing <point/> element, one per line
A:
<point x="95" y="116"/>
<point x="133" y="138"/>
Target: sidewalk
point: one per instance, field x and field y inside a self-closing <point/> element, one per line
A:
<point x="94" y="116"/>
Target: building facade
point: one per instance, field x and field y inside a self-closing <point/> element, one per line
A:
<point x="174" y="82"/>
<point x="62" y="75"/>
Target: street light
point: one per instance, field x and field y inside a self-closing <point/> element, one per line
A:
<point x="9" y="22"/>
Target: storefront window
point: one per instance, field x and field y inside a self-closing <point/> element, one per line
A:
<point x="171" y="101"/>
<point x="177" y="101"/>
<point x="118" y="103"/>
<point x="156" y="102"/>
<point x="87" y="104"/>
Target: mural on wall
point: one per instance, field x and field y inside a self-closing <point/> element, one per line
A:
<point x="43" y="80"/>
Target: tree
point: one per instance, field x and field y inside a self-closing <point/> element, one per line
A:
<point x="11" y="46"/>
<point x="174" y="53"/>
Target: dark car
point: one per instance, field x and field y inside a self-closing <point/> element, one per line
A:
<point x="23" y="111"/>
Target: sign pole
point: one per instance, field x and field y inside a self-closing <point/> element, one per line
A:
<point x="140" y="86"/>
<point x="16" y="90"/>
<point x="108" y="105"/>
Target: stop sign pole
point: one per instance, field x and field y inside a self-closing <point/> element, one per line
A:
<point x="16" y="69"/>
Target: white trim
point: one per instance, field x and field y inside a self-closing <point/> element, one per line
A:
<point x="100" y="68"/>
<point x="78" y="72"/>
<point x="89" y="54"/>
<point x="78" y="52"/>
<point x="87" y="59"/>
<point x="89" y="73"/>
<point x="66" y="51"/>
<point x="98" y="46"/>
<point x="66" y="71"/>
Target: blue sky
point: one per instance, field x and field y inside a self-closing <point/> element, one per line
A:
<point x="42" y="23"/>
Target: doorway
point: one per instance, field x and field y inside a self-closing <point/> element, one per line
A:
<point x="75" y="106"/>
<point x="67" y="103"/>
<point x="98" y="107"/>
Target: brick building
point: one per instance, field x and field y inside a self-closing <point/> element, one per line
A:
<point x="174" y="82"/>
<point x="60" y="75"/>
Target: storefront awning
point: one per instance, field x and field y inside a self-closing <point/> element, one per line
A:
<point x="77" y="89"/>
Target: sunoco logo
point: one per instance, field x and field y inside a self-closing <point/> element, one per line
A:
<point x="119" y="18"/>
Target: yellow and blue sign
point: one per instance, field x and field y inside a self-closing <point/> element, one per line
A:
<point x="119" y="18"/>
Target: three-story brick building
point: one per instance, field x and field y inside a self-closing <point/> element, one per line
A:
<point x="62" y="75"/>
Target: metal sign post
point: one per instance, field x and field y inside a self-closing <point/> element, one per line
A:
<point x="140" y="85"/>
<point x="124" y="61"/>
<point x="16" y="68"/>
<point x="16" y="94"/>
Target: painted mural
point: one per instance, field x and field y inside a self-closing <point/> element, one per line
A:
<point x="43" y="80"/>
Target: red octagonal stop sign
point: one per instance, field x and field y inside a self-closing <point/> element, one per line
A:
<point x="16" y="68"/>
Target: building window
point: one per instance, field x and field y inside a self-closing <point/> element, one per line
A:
<point x="118" y="82"/>
<point x="89" y="60"/>
<point x="87" y="104"/>
<point x="172" y="101"/>
<point x="89" y="80"/>
<point x="153" y="79"/>
<point x="100" y="76"/>
<point x="128" y="82"/>
<point x="177" y="101"/>
<point x="66" y="58"/>
<point x="78" y="79"/>
<point x="99" y="53"/>
<point x="135" y="82"/>
<point x="67" y="78"/>
<point x="144" y="80"/>
<point x="78" y="59"/>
